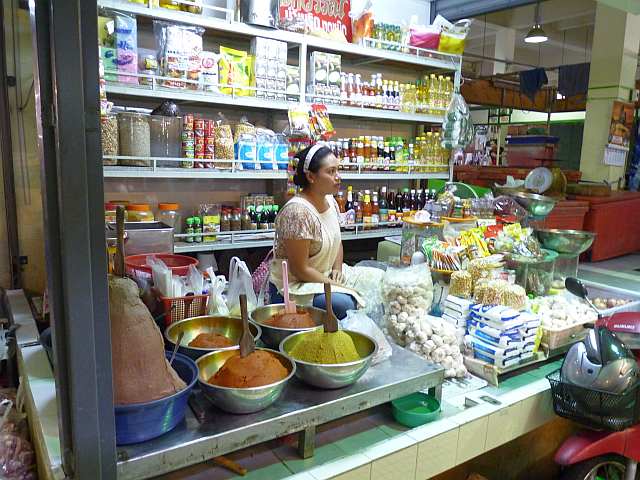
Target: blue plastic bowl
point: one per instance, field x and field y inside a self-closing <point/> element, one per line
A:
<point x="140" y="422"/>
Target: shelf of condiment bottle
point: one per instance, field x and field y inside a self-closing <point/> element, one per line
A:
<point x="260" y="103"/>
<point x="227" y="240"/>
<point x="208" y="173"/>
<point x="418" y="57"/>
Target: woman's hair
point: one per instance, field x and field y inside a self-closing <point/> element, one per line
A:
<point x="300" y="178"/>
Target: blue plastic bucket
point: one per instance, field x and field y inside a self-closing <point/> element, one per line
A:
<point x="140" y="422"/>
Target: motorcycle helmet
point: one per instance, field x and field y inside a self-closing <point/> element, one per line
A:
<point x="600" y="362"/>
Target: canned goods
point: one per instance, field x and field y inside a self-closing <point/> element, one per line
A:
<point x="199" y="148"/>
<point x="209" y="149"/>
<point x="209" y="140"/>
<point x="187" y="136"/>
<point x="209" y="127"/>
<point x="199" y="123"/>
<point x="187" y="122"/>
<point x="208" y="155"/>
<point x="199" y="140"/>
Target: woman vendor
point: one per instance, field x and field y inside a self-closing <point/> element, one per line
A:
<point x="308" y="236"/>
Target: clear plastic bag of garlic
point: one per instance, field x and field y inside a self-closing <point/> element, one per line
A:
<point x="408" y="294"/>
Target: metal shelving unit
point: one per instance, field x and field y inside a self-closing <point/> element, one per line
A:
<point x="203" y="173"/>
<point x="233" y="240"/>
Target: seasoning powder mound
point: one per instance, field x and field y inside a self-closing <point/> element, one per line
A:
<point x="330" y="348"/>
<point x="300" y="319"/>
<point x="211" y="340"/>
<point x="257" y="369"/>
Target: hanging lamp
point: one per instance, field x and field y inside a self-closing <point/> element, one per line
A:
<point x="536" y="34"/>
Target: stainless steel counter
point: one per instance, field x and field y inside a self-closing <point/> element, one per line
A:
<point x="300" y="409"/>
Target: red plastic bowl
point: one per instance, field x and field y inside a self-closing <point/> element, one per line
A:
<point x="179" y="264"/>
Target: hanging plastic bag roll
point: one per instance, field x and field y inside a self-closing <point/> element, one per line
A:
<point x="457" y="127"/>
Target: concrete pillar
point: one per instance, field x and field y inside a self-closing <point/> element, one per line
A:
<point x="504" y="48"/>
<point x="614" y="60"/>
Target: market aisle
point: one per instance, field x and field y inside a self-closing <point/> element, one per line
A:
<point x="621" y="272"/>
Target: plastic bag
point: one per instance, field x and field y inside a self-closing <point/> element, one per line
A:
<point x="240" y="283"/>
<point x="358" y="321"/>
<point x="217" y="305"/>
<point x="161" y="275"/>
<point x="179" y="53"/>
<point x="126" y="36"/>
<point x="367" y="281"/>
<point x="195" y="281"/>
<point x="453" y="36"/>
<point x="505" y="206"/>
<point x="235" y="71"/>
<point x="17" y="457"/>
<point x="457" y="128"/>
<point x="266" y="149"/>
<point x="223" y="140"/>
<point x="362" y="23"/>
<point x="425" y="36"/>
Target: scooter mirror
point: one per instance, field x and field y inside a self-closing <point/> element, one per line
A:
<point x="576" y="287"/>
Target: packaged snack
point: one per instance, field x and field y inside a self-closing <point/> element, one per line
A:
<point x="243" y="127"/>
<point x="109" y="57"/>
<point x="245" y="147"/>
<point x="299" y="121"/>
<point x="209" y="72"/>
<point x="235" y="71"/>
<point x="126" y="35"/>
<point x="179" y="50"/>
<point x="210" y="214"/>
<point x="281" y="152"/>
<point x="106" y="32"/>
<point x="223" y="141"/>
<point x="362" y="23"/>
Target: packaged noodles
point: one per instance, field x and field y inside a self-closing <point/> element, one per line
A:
<point x="235" y="71"/>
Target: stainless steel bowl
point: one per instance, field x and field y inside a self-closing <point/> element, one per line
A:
<point x="565" y="241"/>
<point x="538" y="206"/>
<point x="230" y="327"/>
<point x="240" y="400"/>
<point x="335" y="375"/>
<point x="273" y="336"/>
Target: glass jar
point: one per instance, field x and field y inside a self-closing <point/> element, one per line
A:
<point x="165" y="139"/>
<point x="134" y="135"/>
<point x="225" y="220"/>
<point x="139" y="212"/>
<point x="168" y="214"/>
<point x="109" y="138"/>
<point x="236" y="220"/>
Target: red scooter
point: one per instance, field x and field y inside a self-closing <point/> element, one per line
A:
<point x="601" y="454"/>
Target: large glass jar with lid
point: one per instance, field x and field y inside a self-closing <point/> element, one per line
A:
<point x="139" y="212"/>
<point x="135" y="138"/>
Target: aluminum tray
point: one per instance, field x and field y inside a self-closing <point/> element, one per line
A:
<point x="299" y="409"/>
<point x="598" y="290"/>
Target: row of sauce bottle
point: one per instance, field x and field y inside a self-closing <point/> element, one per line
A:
<point x="383" y="208"/>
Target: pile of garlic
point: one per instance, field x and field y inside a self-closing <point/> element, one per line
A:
<point x="558" y="312"/>
<point x="408" y="294"/>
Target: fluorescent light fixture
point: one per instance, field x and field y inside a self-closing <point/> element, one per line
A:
<point x="536" y="35"/>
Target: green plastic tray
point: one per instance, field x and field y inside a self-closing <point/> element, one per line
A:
<point x="415" y="409"/>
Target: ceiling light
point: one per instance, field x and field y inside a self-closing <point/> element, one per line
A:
<point x="536" y="34"/>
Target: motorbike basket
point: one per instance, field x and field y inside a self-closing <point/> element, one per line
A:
<point x="593" y="408"/>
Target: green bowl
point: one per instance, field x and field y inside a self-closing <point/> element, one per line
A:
<point x="415" y="409"/>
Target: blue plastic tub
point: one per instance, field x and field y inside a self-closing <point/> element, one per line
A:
<point x="140" y="422"/>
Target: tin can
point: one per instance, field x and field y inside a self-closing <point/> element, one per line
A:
<point x="188" y="136"/>
<point x="199" y="140"/>
<point x="198" y="127"/>
<point x="199" y="148"/>
<point x="209" y="149"/>
<point x="187" y="122"/>
<point x="188" y="145"/>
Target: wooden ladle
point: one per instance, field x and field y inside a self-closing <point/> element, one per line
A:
<point x="247" y="344"/>
<point x="330" y="320"/>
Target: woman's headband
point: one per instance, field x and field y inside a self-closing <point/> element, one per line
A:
<point x="312" y="151"/>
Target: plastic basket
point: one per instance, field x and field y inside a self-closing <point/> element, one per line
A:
<point x="179" y="264"/>
<point x="179" y="308"/>
<point x="593" y="408"/>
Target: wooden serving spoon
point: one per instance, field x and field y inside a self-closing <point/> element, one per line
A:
<point x="247" y="344"/>
<point x="118" y="262"/>
<point x="330" y="320"/>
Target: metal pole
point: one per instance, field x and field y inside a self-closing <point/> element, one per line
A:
<point x="11" y="219"/>
<point x="67" y="108"/>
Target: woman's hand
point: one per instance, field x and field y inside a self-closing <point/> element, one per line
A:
<point x="338" y="277"/>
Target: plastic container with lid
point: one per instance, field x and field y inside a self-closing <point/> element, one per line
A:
<point x="168" y="213"/>
<point x="134" y="138"/>
<point x="413" y="235"/>
<point x="139" y="212"/>
<point x="566" y="266"/>
<point x="534" y="274"/>
<point x="166" y="139"/>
